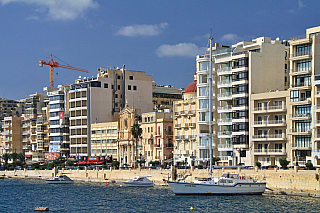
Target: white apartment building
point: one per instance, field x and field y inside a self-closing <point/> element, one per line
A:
<point x="239" y="71"/>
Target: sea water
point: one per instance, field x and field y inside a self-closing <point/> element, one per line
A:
<point x="23" y="195"/>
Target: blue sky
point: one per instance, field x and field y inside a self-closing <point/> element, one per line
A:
<point x="161" y="38"/>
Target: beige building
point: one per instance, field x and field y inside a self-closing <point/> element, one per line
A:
<point x="186" y="148"/>
<point x="127" y="146"/>
<point x="12" y="134"/>
<point x="100" y="99"/>
<point x="104" y="139"/>
<point x="238" y="72"/>
<point x="269" y="129"/>
<point x="157" y="137"/>
<point x="304" y="89"/>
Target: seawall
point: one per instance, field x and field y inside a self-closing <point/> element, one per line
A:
<point x="280" y="180"/>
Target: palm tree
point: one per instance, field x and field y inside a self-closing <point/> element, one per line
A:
<point x="14" y="156"/>
<point x="6" y="157"/>
<point x="21" y="157"/>
<point x="136" y="132"/>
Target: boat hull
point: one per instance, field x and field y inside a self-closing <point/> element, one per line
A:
<point x="181" y="188"/>
<point x="138" y="184"/>
<point x="59" y="181"/>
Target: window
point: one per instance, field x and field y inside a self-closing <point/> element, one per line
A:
<point x="303" y="141"/>
<point x="112" y="86"/>
<point x="116" y="95"/>
<point x="241" y="62"/>
<point x="134" y="87"/>
<point x="105" y="85"/>
<point x="129" y="87"/>
<point x="103" y="131"/>
<point x="303" y="49"/>
<point x="294" y="96"/>
<point x="95" y="84"/>
<point x="131" y="77"/>
<point x="118" y="87"/>
<point x="203" y="66"/>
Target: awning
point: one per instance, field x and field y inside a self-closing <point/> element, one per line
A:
<point x="28" y="155"/>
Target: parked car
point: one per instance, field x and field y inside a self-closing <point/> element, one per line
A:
<point x="268" y="167"/>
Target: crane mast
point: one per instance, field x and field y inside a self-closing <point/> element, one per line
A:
<point x="53" y="64"/>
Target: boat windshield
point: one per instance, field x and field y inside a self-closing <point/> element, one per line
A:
<point x="204" y="179"/>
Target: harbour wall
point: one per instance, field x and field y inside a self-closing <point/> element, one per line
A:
<point x="283" y="180"/>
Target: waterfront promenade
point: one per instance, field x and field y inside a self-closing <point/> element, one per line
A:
<point x="296" y="181"/>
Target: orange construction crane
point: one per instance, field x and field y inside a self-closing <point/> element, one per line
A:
<point x="53" y="64"/>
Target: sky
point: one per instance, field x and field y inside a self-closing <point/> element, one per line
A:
<point x="159" y="37"/>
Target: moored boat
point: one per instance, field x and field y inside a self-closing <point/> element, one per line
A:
<point x="140" y="181"/>
<point x="60" y="179"/>
<point x="227" y="184"/>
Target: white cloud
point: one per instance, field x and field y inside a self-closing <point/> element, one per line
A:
<point x="181" y="49"/>
<point x="231" y="37"/>
<point x="301" y="5"/>
<point x="58" y="9"/>
<point x="142" y="30"/>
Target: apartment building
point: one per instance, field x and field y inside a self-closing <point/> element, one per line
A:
<point x="58" y="117"/>
<point x="104" y="139"/>
<point x="157" y="137"/>
<point x="36" y="109"/>
<point x="269" y="129"/>
<point x="237" y="73"/>
<point x="10" y="108"/>
<point x="163" y="96"/>
<point x="12" y="134"/>
<point x="304" y="78"/>
<point x="100" y="99"/>
<point x="185" y="120"/>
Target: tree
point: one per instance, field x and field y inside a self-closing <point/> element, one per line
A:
<point x="283" y="162"/>
<point x="136" y="132"/>
<point x="14" y="156"/>
<point x="21" y="157"/>
<point x="309" y="166"/>
<point x="215" y="159"/>
<point x="6" y="157"/>
<point x="258" y="164"/>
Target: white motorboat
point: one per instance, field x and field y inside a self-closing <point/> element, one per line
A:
<point x="228" y="184"/>
<point x="60" y="179"/>
<point x="141" y="181"/>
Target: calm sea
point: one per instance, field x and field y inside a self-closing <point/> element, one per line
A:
<point x="23" y="195"/>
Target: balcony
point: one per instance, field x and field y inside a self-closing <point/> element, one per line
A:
<point x="224" y="83"/>
<point x="269" y="137"/>
<point x="300" y="116"/>
<point x="225" y="109"/>
<point x="302" y="146"/>
<point x="177" y="126"/>
<point x="225" y="147"/>
<point x="192" y="125"/>
<point x="269" y="152"/>
<point x="224" y="71"/>
<point x="294" y="131"/>
<point x="224" y="158"/>
<point x="224" y="96"/>
<point x="224" y="121"/>
<point x="300" y="72"/>
<point x="269" y="123"/>
<point x="225" y="134"/>
<point x="303" y="84"/>
<point x="279" y="108"/>
<point x="185" y="125"/>
<point x="300" y="101"/>
<point x="25" y="133"/>
<point x="191" y="112"/>
<point x="301" y="55"/>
